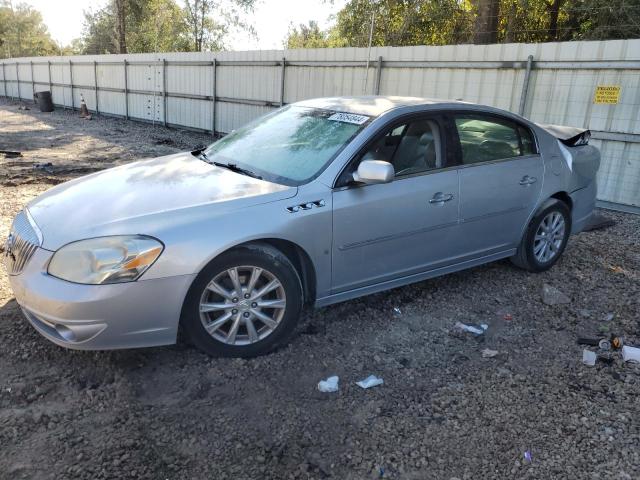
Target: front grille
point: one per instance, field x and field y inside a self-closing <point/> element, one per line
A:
<point x="20" y="245"/>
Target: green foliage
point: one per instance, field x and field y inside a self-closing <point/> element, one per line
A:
<point x="307" y="36"/>
<point x="397" y="22"/>
<point x="151" y="26"/>
<point x="162" y="26"/>
<point x="22" y="33"/>
<point x="444" y="22"/>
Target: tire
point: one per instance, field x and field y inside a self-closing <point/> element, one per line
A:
<point x="528" y="255"/>
<point x="222" y="323"/>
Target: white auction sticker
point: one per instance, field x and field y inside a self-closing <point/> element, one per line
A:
<point x="349" y="118"/>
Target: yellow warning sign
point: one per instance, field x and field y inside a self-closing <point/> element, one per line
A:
<point x="607" y="94"/>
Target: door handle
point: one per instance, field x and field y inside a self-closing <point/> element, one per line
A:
<point x="527" y="180"/>
<point x="439" y="198"/>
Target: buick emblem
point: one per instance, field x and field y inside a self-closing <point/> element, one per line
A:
<point x="8" y="247"/>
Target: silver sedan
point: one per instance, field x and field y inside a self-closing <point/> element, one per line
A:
<point x="316" y="203"/>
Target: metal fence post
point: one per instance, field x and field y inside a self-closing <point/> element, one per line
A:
<point x="284" y="65"/>
<point x="213" y="98"/>
<point x="73" y="103"/>
<point x="50" y="83"/>
<point x="376" y="87"/>
<point x="525" y="85"/>
<point x="18" y="81"/>
<point x="33" y="85"/>
<point x="95" y="84"/>
<point x="126" y="92"/>
<point x="164" y="91"/>
<point x="4" y="80"/>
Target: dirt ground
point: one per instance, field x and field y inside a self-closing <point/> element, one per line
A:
<point x="444" y="411"/>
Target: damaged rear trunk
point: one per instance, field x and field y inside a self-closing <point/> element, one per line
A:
<point x="583" y="159"/>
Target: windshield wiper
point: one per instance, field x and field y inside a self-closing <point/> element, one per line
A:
<point x="235" y="168"/>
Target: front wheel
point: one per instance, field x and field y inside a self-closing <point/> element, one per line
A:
<point x="545" y="238"/>
<point x="245" y="303"/>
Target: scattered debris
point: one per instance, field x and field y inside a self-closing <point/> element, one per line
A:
<point x="589" y="358"/>
<point x="604" y="344"/>
<point x="617" y="342"/>
<point x="329" y="385"/>
<point x="527" y="456"/>
<point x="488" y="353"/>
<point x="10" y="153"/>
<point x="588" y="341"/>
<point x="553" y="296"/>
<point x="597" y="222"/>
<point x="609" y="317"/>
<point x="397" y="310"/>
<point x="616" y="269"/>
<point x="606" y="358"/>
<point x="475" y="329"/>
<point x="23" y="107"/>
<point x="508" y="317"/>
<point x="370" y="381"/>
<point x="47" y="167"/>
<point x="631" y="354"/>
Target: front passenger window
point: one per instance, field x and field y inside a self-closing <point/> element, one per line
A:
<point x="411" y="148"/>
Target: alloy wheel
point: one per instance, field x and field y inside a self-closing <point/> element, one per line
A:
<point x="549" y="237"/>
<point x="242" y="305"/>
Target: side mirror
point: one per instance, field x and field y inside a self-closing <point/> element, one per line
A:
<point x="374" y="171"/>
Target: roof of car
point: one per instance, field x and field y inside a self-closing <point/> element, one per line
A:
<point x="370" y="104"/>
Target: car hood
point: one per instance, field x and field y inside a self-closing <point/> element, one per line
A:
<point x="114" y="201"/>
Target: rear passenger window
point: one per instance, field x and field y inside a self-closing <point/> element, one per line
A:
<point x="528" y="146"/>
<point x="484" y="139"/>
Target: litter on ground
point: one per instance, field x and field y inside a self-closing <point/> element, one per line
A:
<point x="488" y="353"/>
<point x="475" y="329"/>
<point x="329" y="385"/>
<point x="370" y="381"/>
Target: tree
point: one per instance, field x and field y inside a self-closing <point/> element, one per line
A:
<point x="443" y="22"/>
<point x="121" y="24"/>
<point x="307" y="36"/>
<point x="402" y="22"/>
<point x="486" y="23"/>
<point x="151" y="26"/>
<point x="208" y="33"/>
<point x="22" y="32"/>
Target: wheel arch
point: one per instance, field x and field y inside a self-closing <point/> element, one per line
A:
<point x="297" y="255"/>
<point x="564" y="197"/>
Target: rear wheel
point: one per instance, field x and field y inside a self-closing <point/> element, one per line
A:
<point x="245" y="303"/>
<point x="545" y="238"/>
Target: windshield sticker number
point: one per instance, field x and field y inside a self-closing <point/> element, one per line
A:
<point x="349" y="118"/>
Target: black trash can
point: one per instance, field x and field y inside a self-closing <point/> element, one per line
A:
<point x="44" y="100"/>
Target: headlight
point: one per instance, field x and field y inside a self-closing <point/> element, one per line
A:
<point x="100" y="260"/>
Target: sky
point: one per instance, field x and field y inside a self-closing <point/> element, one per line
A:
<point x="270" y="18"/>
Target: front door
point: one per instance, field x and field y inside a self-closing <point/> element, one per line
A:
<point x="387" y="231"/>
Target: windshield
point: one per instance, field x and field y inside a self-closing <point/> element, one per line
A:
<point x="290" y="146"/>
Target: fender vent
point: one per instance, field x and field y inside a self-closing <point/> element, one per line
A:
<point x="306" y="206"/>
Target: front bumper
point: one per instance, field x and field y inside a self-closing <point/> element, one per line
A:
<point x="99" y="317"/>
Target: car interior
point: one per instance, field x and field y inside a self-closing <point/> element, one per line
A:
<point x="410" y="148"/>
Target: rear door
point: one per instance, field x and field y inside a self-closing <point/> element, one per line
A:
<point x="501" y="177"/>
<point x="388" y="231"/>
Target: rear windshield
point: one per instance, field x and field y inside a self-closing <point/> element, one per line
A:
<point x="290" y="146"/>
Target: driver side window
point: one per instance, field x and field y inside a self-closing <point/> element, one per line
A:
<point x="411" y="148"/>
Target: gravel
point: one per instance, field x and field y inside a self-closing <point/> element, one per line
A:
<point x="444" y="411"/>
